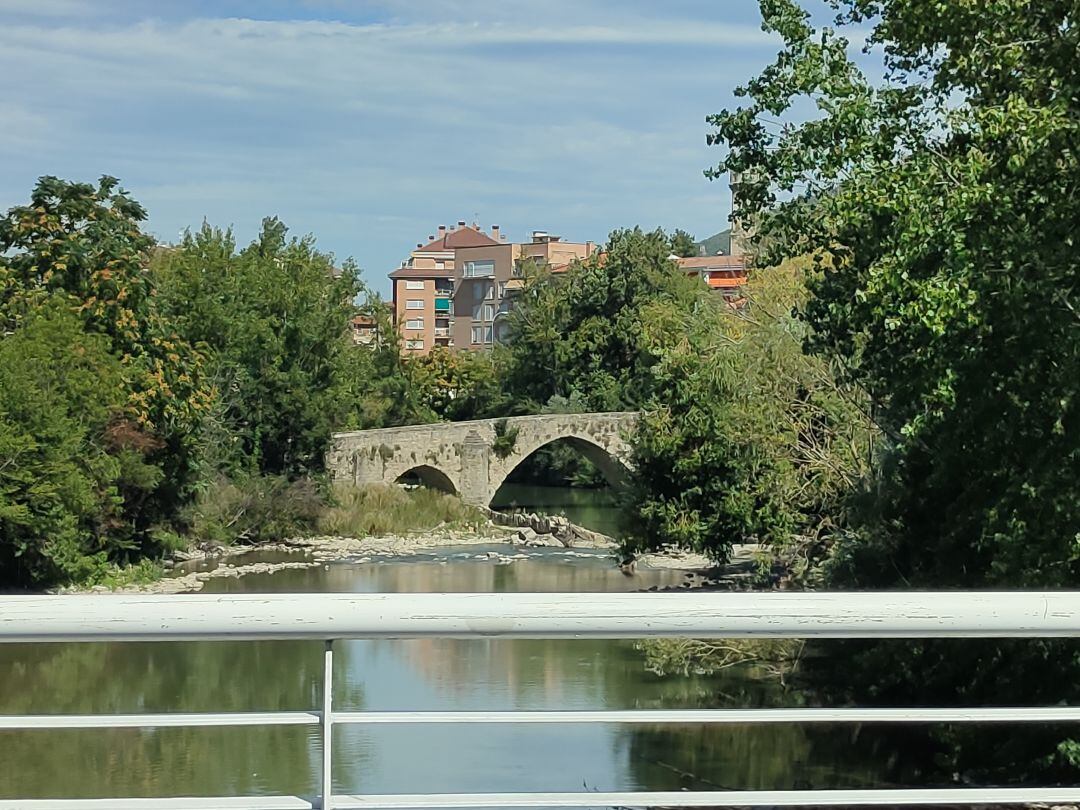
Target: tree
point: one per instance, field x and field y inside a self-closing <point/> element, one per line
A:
<point x="61" y="510"/>
<point x="747" y="438"/>
<point x="460" y="385"/>
<point x="947" y="199"/>
<point x="83" y="245"/>
<point x="273" y="319"/>
<point x="578" y="335"/>
<point x="683" y="244"/>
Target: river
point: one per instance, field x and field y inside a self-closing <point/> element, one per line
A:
<point x="401" y="675"/>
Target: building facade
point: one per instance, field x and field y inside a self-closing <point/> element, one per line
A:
<point x="423" y="287"/>
<point x="455" y="290"/>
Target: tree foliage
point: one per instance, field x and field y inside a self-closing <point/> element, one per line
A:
<point x="947" y="199"/>
<point x="273" y="319"/>
<point x="579" y="335"/>
<point x="747" y="438"/>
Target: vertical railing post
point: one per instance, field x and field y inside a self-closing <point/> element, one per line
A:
<point x="327" y="725"/>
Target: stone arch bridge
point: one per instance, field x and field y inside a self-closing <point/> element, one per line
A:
<point x="466" y="458"/>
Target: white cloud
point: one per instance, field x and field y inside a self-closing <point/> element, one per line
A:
<point x="370" y="133"/>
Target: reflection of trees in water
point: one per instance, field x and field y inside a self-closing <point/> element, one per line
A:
<point x="160" y="677"/>
<point x="780" y="756"/>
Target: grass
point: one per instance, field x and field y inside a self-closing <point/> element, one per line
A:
<point x="374" y="510"/>
<point x="120" y="576"/>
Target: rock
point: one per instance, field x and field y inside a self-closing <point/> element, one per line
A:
<point x="525" y="535"/>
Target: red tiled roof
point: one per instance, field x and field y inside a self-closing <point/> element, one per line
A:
<point x="462" y="237"/>
<point x="419" y="272"/>
<point x="712" y="263"/>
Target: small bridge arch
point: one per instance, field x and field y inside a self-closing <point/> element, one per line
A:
<point x="461" y="456"/>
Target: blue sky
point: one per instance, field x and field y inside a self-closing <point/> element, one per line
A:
<point x="368" y="124"/>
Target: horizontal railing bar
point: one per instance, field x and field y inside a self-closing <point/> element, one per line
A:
<point x="58" y="721"/>
<point x="146" y="617"/>
<point x="733" y="798"/>
<point x="907" y="797"/>
<point x="181" y="803"/>
<point x="1019" y="714"/>
<point x="1011" y="714"/>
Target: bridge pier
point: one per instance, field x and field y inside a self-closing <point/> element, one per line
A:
<point x="475" y="454"/>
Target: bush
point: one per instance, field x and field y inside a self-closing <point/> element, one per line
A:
<point x="375" y="510"/>
<point x="254" y="509"/>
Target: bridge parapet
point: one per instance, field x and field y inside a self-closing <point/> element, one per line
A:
<point x="461" y="456"/>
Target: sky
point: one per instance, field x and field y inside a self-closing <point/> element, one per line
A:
<point x="368" y="124"/>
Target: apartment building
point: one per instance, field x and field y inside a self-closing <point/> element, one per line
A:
<point x="423" y="287"/>
<point x="454" y="289"/>
<point x="487" y="276"/>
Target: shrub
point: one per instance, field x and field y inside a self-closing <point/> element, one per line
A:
<point x="254" y="509"/>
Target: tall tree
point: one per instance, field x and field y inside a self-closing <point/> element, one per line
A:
<point x="274" y="321"/>
<point x="947" y="198"/>
<point x="579" y="335"/>
<point x="683" y="244"/>
<point x="83" y="245"/>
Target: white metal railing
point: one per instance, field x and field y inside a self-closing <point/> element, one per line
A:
<point x="31" y="619"/>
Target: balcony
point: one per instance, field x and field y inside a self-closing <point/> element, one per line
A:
<point x="329" y="617"/>
<point x="442" y="304"/>
<point x="442" y="332"/>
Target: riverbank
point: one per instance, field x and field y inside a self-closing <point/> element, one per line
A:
<point x="315" y="551"/>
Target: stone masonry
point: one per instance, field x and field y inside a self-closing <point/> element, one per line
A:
<point x="460" y="457"/>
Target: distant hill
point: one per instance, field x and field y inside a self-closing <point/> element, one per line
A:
<point x="718" y="243"/>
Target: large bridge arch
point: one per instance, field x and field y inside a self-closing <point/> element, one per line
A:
<point x="461" y="454"/>
<point x="613" y="468"/>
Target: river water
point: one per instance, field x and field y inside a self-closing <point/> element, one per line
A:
<point x="402" y="675"/>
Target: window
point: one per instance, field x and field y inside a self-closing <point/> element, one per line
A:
<point x="414" y="344"/>
<point x="489" y="294"/>
<point x="414" y="323"/>
<point x="479" y="291"/>
<point x="414" y="303"/>
<point x="478" y="269"/>
<point x="484" y="312"/>
<point x="414" y="285"/>
<point x="481" y="334"/>
<point x="502" y="290"/>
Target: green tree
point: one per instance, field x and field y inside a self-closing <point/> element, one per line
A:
<point x="61" y="510"/>
<point x="82" y="244"/>
<point x="460" y="385"/>
<point x="273" y="319"/>
<point x="579" y="335"/>
<point x="947" y="197"/>
<point x="683" y="244"/>
<point x="746" y="438"/>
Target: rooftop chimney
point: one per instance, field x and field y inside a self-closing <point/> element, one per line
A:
<point x="442" y="230"/>
<point x="461" y="223"/>
<point x="495" y="232"/>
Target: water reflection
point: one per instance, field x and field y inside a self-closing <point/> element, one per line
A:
<point x="428" y="674"/>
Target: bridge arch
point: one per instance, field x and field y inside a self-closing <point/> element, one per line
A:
<point x="430" y="477"/>
<point x="612" y="468"/>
